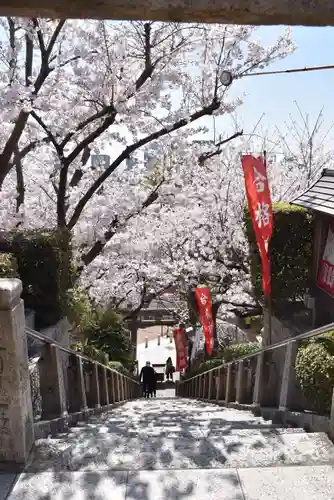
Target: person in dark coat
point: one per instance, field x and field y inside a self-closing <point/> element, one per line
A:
<point x="154" y="386"/>
<point x="147" y="375"/>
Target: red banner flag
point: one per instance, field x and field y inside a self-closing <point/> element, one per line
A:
<point x="260" y="209"/>
<point x="203" y="299"/>
<point x="326" y="265"/>
<point x="181" y="349"/>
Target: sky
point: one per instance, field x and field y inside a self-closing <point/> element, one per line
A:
<point x="274" y="95"/>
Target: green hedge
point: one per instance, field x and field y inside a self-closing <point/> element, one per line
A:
<point x="290" y="250"/>
<point x="108" y="333"/>
<point x="44" y="266"/>
<point x="315" y="371"/>
<point x="235" y="351"/>
<point x="8" y="266"/>
<point x="229" y="353"/>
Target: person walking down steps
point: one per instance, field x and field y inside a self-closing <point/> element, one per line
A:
<point x="147" y="375"/>
<point x="169" y="369"/>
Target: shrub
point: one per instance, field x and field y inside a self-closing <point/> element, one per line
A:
<point x="8" y="266"/>
<point x="89" y="349"/>
<point x="290" y="251"/>
<point x="235" y="351"/>
<point x="80" y="310"/>
<point x="229" y="353"/>
<point x="107" y="333"/>
<point x="315" y="371"/>
<point x="43" y="264"/>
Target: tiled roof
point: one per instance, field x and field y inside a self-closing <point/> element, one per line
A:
<point x="320" y="196"/>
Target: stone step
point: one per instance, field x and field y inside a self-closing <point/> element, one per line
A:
<point x="91" y="449"/>
<point x="292" y="483"/>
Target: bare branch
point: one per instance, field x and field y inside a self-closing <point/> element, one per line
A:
<point x="12" y="44"/>
<point x="54" y="37"/>
<point x="49" y="134"/>
<point x="99" y="245"/>
<point x="21" y="121"/>
<point x="19" y="181"/>
<point x="210" y="154"/>
<point x="39" y="36"/>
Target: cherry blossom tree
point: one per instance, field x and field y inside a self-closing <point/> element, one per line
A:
<point x="73" y="88"/>
<point x="191" y="233"/>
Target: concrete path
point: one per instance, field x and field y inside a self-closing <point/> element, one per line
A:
<point x="178" y="449"/>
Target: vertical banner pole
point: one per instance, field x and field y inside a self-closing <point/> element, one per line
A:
<point x="260" y="210"/>
<point x="269" y="297"/>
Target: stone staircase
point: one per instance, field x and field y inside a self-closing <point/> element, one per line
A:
<point x="173" y="449"/>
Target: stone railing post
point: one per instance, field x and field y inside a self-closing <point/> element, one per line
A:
<point x="288" y="384"/>
<point x="258" y="383"/>
<point x="51" y="379"/>
<point x="114" y="386"/>
<point x="118" y="379"/>
<point x="220" y="395"/>
<point x="111" y="386"/>
<point x="217" y="384"/>
<point x="77" y="391"/>
<point x="228" y="388"/>
<point x="240" y="391"/>
<point x="96" y="385"/>
<point x="203" y="395"/>
<point x="104" y="393"/>
<point x="331" y="422"/>
<point x="16" y="416"/>
<point x="122" y="387"/>
<point x="210" y="385"/>
<point x="199" y="387"/>
<point x="196" y="387"/>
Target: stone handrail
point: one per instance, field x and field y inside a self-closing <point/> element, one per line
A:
<point x="91" y="386"/>
<point x="47" y="340"/>
<point x="71" y="386"/>
<point x="264" y="378"/>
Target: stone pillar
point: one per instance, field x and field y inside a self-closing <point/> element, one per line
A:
<point x="220" y="393"/>
<point x="210" y="385"/>
<point x="203" y="395"/>
<point x="196" y="387"/>
<point x="258" y="383"/>
<point x="104" y="386"/>
<point x="16" y="417"/>
<point x="229" y="378"/>
<point x="119" y="393"/>
<point x="240" y="383"/>
<point x="51" y="379"/>
<point x="122" y="380"/>
<point x="77" y="391"/>
<point x="217" y="384"/>
<point x="288" y="382"/>
<point x="113" y="382"/>
<point x="111" y="386"/>
<point x="96" y="385"/>
<point x="331" y="422"/>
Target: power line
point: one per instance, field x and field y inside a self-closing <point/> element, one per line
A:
<point x="283" y="71"/>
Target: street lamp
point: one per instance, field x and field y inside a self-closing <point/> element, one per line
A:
<point x="226" y="78"/>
